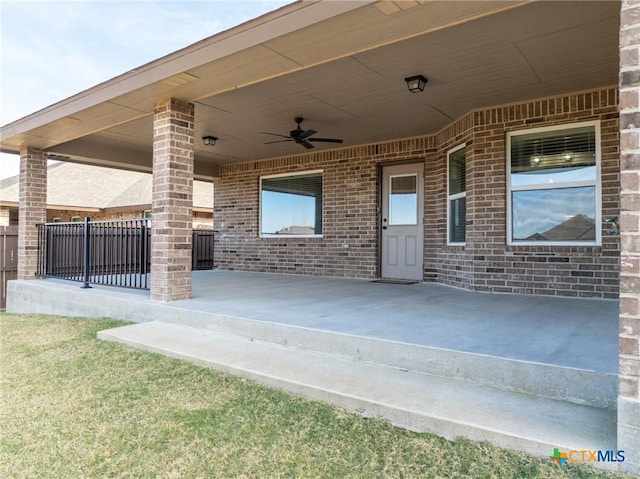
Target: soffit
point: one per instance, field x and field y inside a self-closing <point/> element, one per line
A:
<point x="344" y="75"/>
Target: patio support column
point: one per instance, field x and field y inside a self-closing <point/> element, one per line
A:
<point x="32" y="200"/>
<point x="629" y="364"/>
<point x="172" y="200"/>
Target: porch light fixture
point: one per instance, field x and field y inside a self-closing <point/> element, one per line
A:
<point x="209" y="140"/>
<point x="416" y="83"/>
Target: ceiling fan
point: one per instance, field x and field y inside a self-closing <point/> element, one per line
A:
<point x="301" y="137"/>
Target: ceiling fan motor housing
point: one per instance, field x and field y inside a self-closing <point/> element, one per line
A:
<point x="294" y="133"/>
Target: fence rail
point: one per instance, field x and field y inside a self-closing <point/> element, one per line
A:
<point x="202" y="253"/>
<point x="8" y="259"/>
<point x="113" y="253"/>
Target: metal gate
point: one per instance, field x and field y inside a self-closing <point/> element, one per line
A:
<point x="9" y="258"/>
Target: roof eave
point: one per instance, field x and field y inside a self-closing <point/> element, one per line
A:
<point x="271" y="25"/>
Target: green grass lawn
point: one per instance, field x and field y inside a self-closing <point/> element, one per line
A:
<point x="76" y="407"/>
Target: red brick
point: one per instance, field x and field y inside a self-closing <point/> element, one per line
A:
<point x="32" y="208"/>
<point x="172" y="200"/>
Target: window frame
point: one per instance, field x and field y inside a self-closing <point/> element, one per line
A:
<point x="282" y="175"/>
<point x="596" y="184"/>
<point x="455" y="196"/>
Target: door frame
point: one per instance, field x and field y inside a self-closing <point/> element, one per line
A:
<point x="381" y="166"/>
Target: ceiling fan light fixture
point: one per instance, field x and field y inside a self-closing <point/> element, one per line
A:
<point x="416" y="83"/>
<point x="300" y="136"/>
<point x="209" y="140"/>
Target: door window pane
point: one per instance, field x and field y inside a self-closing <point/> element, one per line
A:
<point x="566" y="214"/>
<point x="403" y="200"/>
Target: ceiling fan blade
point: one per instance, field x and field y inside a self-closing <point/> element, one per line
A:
<point x="326" y="140"/>
<point x="277" y="141"/>
<point x="306" y="134"/>
<point x="306" y="144"/>
<point x="275" y="134"/>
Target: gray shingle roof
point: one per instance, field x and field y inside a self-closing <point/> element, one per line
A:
<point x="73" y="185"/>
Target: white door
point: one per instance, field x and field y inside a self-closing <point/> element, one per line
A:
<point x="402" y="224"/>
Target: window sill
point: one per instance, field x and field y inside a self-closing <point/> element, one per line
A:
<point x="290" y="236"/>
<point x="568" y="244"/>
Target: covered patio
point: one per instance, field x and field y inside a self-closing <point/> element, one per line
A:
<point x="547" y="363"/>
<point x="555" y="216"/>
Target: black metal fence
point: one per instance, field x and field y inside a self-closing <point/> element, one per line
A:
<point x="202" y="253"/>
<point x="114" y="253"/>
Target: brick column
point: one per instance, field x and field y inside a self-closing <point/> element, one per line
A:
<point x="32" y="200"/>
<point x="629" y="369"/>
<point x="172" y="200"/>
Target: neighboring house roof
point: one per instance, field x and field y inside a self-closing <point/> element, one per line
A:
<point x="71" y="185"/>
<point x="579" y="227"/>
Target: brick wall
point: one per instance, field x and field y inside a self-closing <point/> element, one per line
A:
<point x="453" y="264"/>
<point x="629" y="363"/>
<point x="567" y="271"/>
<point x="485" y="263"/>
<point x="630" y="226"/>
<point x="201" y="219"/>
<point x="349" y="214"/>
<point x="4" y="216"/>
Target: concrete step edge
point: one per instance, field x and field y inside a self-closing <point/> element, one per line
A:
<point x="594" y="388"/>
<point x="587" y="422"/>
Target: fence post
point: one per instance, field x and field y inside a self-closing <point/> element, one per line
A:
<point x="87" y="263"/>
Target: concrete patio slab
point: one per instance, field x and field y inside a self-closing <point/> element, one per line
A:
<point x="570" y="332"/>
<point x="558" y="348"/>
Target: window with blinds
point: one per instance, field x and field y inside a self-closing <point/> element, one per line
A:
<point x="457" y="195"/>
<point x="291" y="205"/>
<point x="553" y="179"/>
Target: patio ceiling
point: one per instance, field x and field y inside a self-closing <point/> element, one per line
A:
<point x="341" y="66"/>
